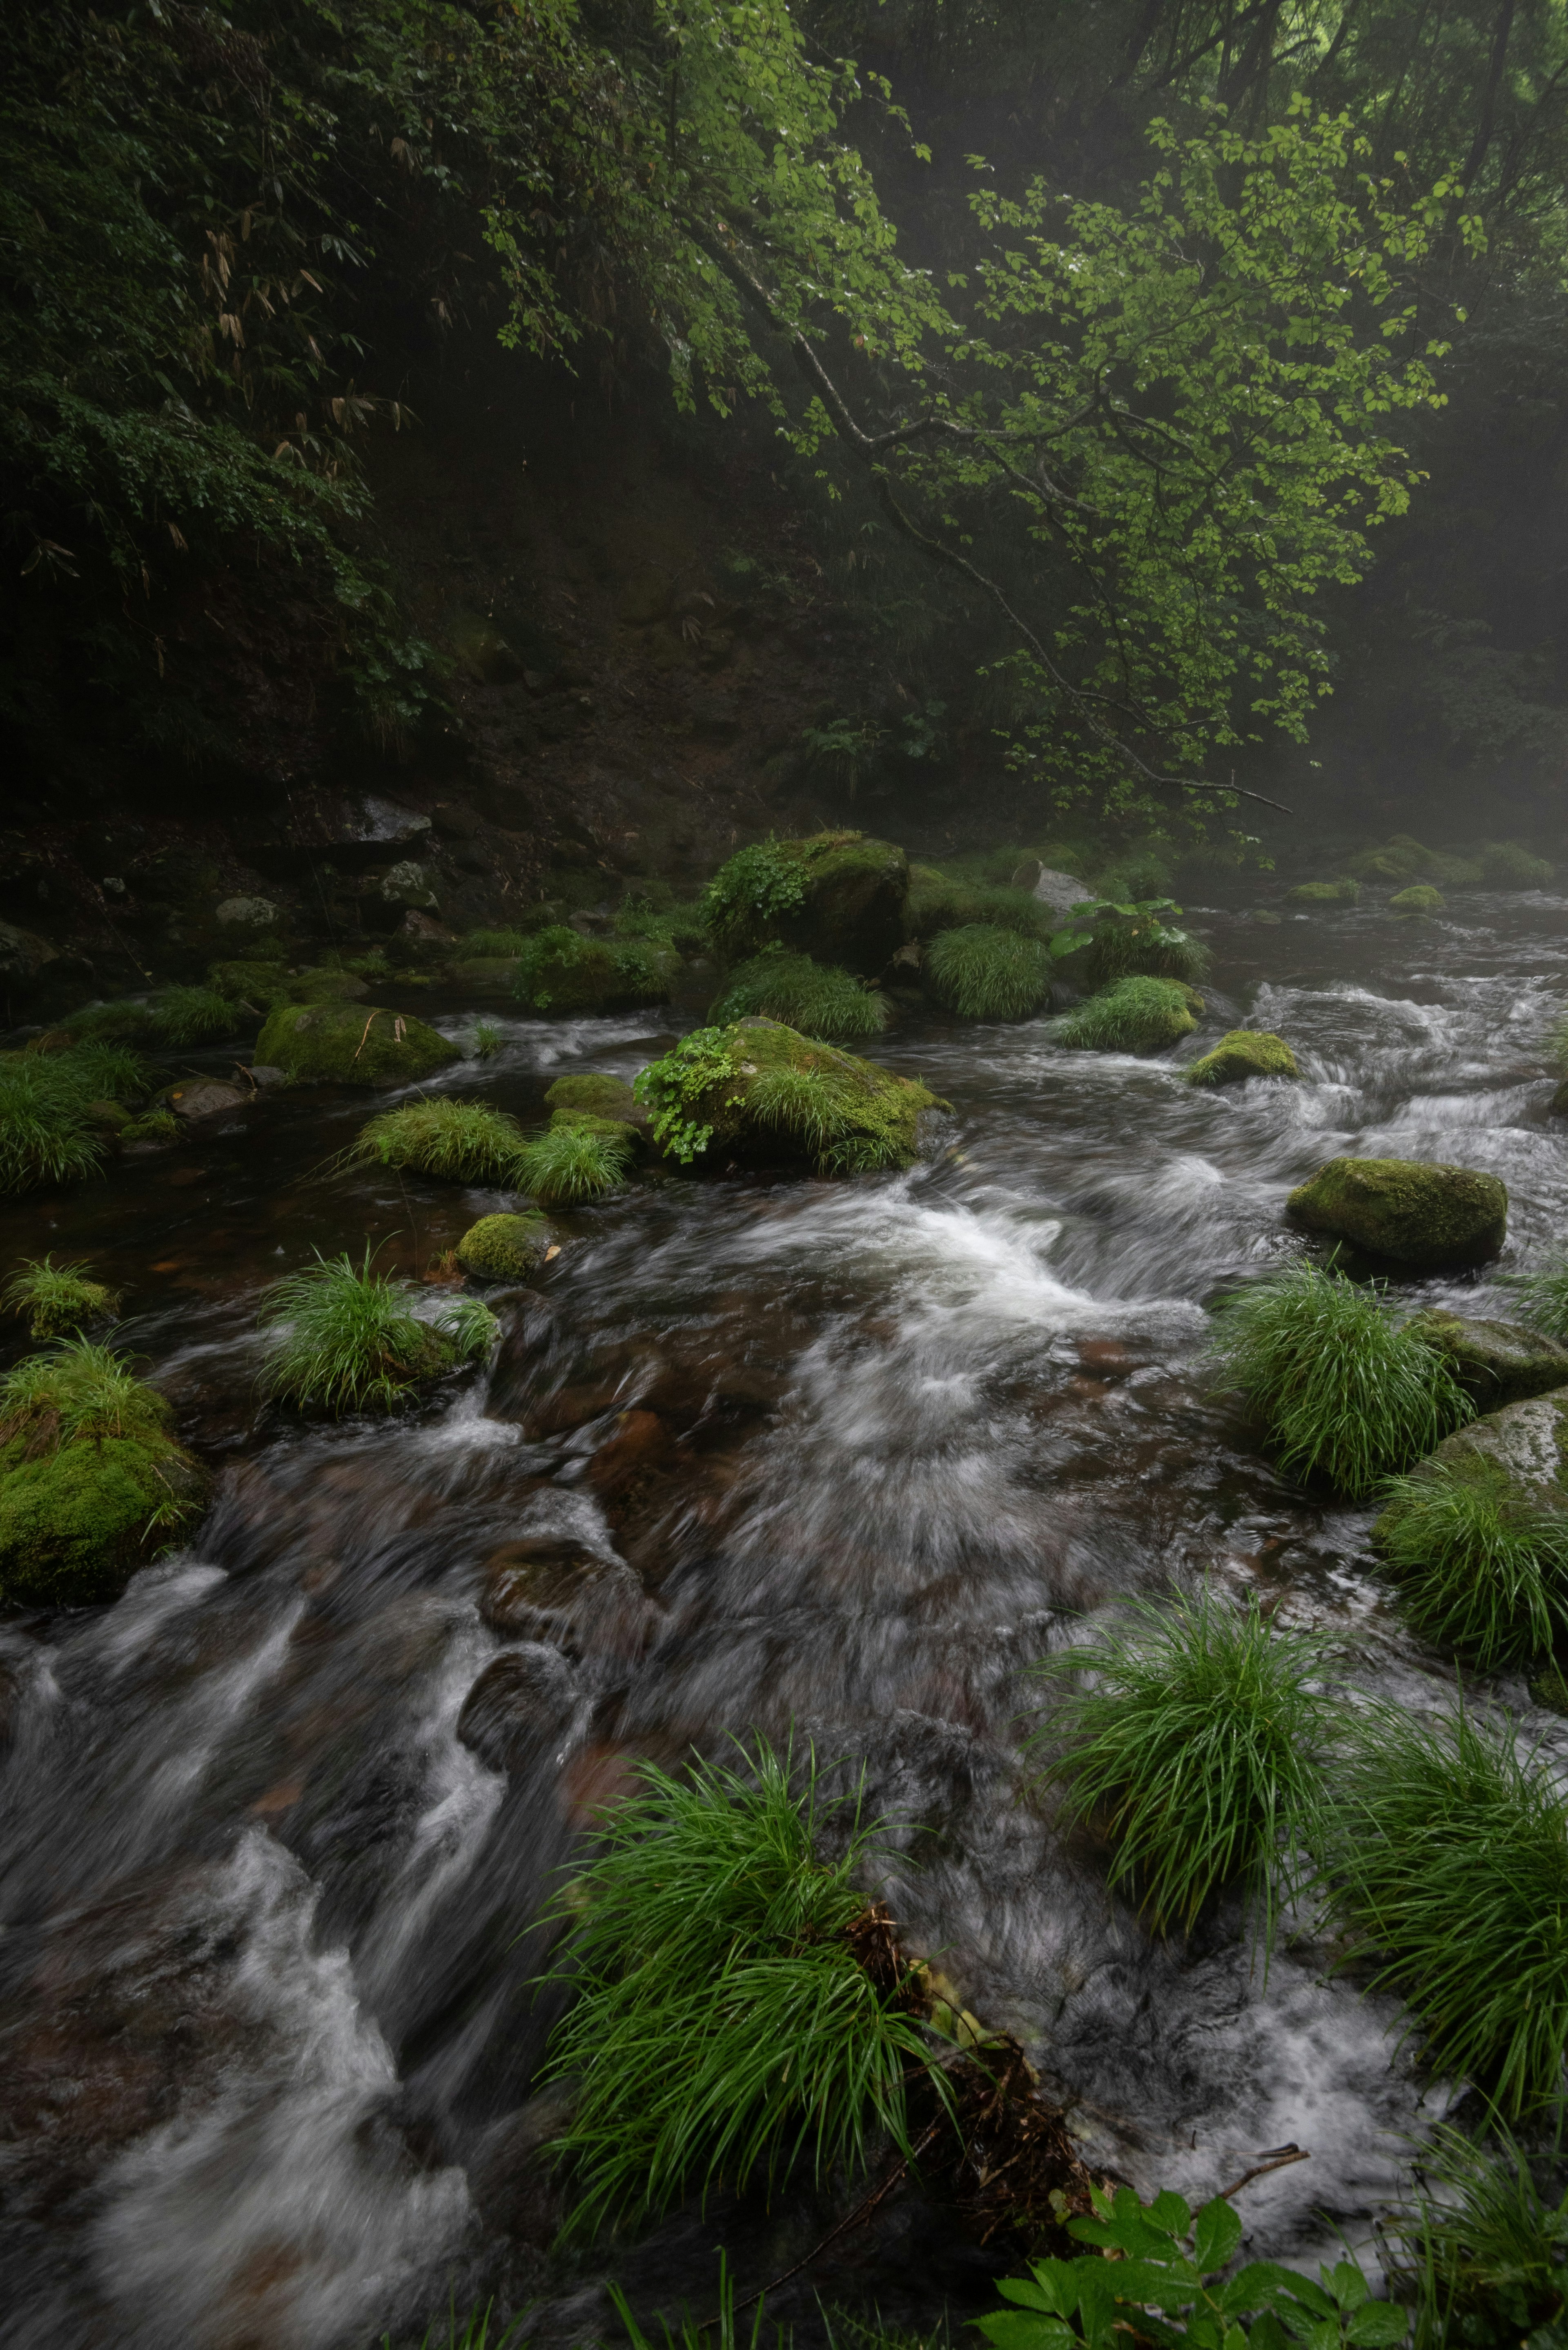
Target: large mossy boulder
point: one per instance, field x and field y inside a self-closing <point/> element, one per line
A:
<point x="1419" y="899"/>
<point x="600" y="1095"/>
<point x="505" y="1248"/>
<point x="1406" y="1209"/>
<point x="1244" y="1052"/>
<point x="760" y="1093"/>
<point x="836" y="896"/>
<point x="1494" y="1362"/>
<point x="561" y="972"/>
<point x="344" y="1045"/>
<point x="1525" y="1443"/>
<point x="1324" y="893"/>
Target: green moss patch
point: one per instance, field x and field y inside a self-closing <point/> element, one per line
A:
<point x="837" y="897"/>
<point x="761" y="1092"/>
<point x="1136" y="1016"/>
<point x="816" y="1000"/>
<point x="1406" y="1210"/>
<point x="936" y="903"/>
<point x="1244" y="1052"/>
<point x="339" y="1044"/>
<point x="505" y="1248"/>
<point x="1325" y="893"/>
<point x="1494" y="1362"/>
<point x="600" y="1094"/>
<point x="1421" y="899"/>
<point x="559" y="971"/>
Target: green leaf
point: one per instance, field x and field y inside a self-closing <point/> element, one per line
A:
<point x="1377" y="2325"/>
<point x="1216" y="2235"/>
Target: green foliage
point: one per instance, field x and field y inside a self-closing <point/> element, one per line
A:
<point x="492" y="945"/>
<point x="1342" y="1387"/>
<point x="57" y="1297"/>
<point x="750" y="893"/>
<point x="77" y="1393"/>
<point x="1345" y="892"/>
<point x="560" y="971"/>
<point x="101" y="1072"/>
<point x="1488" y="2251"/>
<point x="1506" y="865"/>
<point x="1158" y="2275"/>
<point x="672" y="1089"/>
<point x="1419" y="899"/>
<point x="724" y="2332"/>
<point x="682" y="927"/>
<point x="1480" y="1569"/>
<point x="122" y="1023"/>
<point x="1448" y="1863"/>
<point x="576" y="1158"/>
<point x="938" y="903"/>
<point x="1543" y="1295"/>
<point x="471" y="2333"/>
<point x="464" y="1141"/>
<point x="486" y="1040"/>
<point x="847" y="749"/>
<point x="348" y="1339"/>
<point x="152" y="1126"/>
<point x="43" y="1137"/>
<point x="1199" y="1744"/>
<point x="1135" y="1015"/>
<point x="988" y="974"/>
<point x="193" y="1016"/>
<point x="723" y="2028"/>
<point x="804" y="994"/>
<point x="1117" y="941"/>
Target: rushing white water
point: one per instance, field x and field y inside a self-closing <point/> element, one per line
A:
<point x="265" y="1967"/>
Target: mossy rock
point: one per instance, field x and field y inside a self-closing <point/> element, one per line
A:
<point x="633" y="1134"/>
<point x="263" y="984"/>
<point x="563" y="971"/>
<point x="1401" y="857"/>
<point x="1406" y="1209"/>
<point x="1324" y="893"/>
<point x="1244" y="1052"/>
<point x="1506" y="865"/>
<point x="493" y="973"/>
<point x="1526" y="1441"/>
<point x="1495" y="1362"/>
<point x="342" y="1045"/>
<point x="851" y="894"/>
<point x="505" y="1248"/>
<point x="1421" y="899"/>
<point x="778" y="1099"/>
<point x="600" y="1094"/>
<point x="320" y="986"/>
<point x="76" y="1522"/>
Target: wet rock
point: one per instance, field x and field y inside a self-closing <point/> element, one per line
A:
<point x="1495" y="1362"/>
<point x="640" y="1443"/>
<point x="1527" y="1441"/>
<point x="520" y="1707"/>
<point x="511" y="2177"/>
<point x="1407" y="1210"/>
<point x="323" y="986"/>
<point x="247" y="914"/>
<point x="850" y="909"/>
<point x="1324" y="893"/>
<point x="1559" y="1103"/>
<point x="505" y="1248"/>
<point x="601" y="1096"/>
<point x="1244" y="1052"/>
<point x="339" y="1043"/>
<point x="773" y="1088"/>
<point x="23" y="952"/>
<point x="206" y="1097"/>
<point x="549" y="1587"/>
<point x="1059" y="891"/>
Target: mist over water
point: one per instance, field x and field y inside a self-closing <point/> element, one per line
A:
<point x="870" y="1450"/>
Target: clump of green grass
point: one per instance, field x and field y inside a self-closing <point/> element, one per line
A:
<point x="466" y="1142"/>
<point x="1130" y="940"/>
<point x="193" y="1015"/>
<point x="348" y="1339"/>
<point x="1199" y="1744"/>
<point x="1543" y="1295"/>
<point x="1448" y="1863"/>
<point x="815" y="999"/>
<point x="987" y="973"/>
<point x="125" y="1023"/>
<point x="76" y="1391"/>
<point x="102" y="1072"/>
<point x="576" y="1158"/>
<point x="471" y="2333"/>
<point x="152" y="1126"/>
<point x="722" y="2027"/>
<point x="1490" y="2252"/>
<point x="488" y="944"/>
<point x="485" y="1039"/>
<point x="44" y="1136"/>
<point x="937" y="902"/>
<point x="1135" y="1015"/>
<point x="801" y="1104"/>
<point x="1480" y="1570"/>
<point x="57" y="1297"/>
<point x="1344" y="1389"/>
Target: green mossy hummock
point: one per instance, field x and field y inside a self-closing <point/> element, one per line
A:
<point x="759" y="1092"/>
<point x="600" y="1094"/>
<point x="344" y="1045"/>
<point x="560" y="971"/>
<point x="1324" y="893"/>
<point x="1136" y="1016"/>
<point x="1421" y="898"/>
<point x="505" y="1248"/>
<point x="836" y="896"/>
<point x="1243" y="1053"/>
<point x="1525" y="1443"/>
<point x="1494" y="1362"/>
<point x="1406" y="1209"/>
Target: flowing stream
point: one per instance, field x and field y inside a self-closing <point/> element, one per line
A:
<point x="870" y="1450"/>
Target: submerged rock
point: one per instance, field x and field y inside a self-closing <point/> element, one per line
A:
<point x="1495" y="1362"/>
<point x="1416" y="1212"/>
<point x="550" y="1587"/>
<point x="520" y="1707"/>
<point x="505" y="1248"/>
<point x="339" y="1043"/>
<point x="1244" y="1052"/>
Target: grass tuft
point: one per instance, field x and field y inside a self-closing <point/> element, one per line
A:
<point x="193" y="1015"/>
<point x="44" y="1135"/>
<point x="1481" y="1571"/>
<point x="1135" y="1015"/>
<point x="1489" y="2260"/>
<point x="466" y="1142"/>
<point x="76" y="1391"/>
<point x="1344" y="1388"/>
<point x="1543" y="1295"/>
<point x="485" y="1039"/>
<point x="1447" y="1863"/>
<point x="348" y="1339"/>
<point x="813" y="999"/>
<point x="488" y="944"/>
<point x="57" y="1297"/>
<point x="569" y="1162"/>
<point x="722" y="2027"/>
<point x="1198" y="1744"/>
<point x="986" y="974"/>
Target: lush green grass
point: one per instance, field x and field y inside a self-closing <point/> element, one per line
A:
<point x="1135" y="1015"/>
<point x="1543" y="1295"/>
<point x="815" y="999"/>
<point x="680" y="926"/>
<point x="1342" y="1386"/>
<point x="483" y="945"/>
<point x="1133" y="941"/>
<point x="46" y="1133"/>
<point x="1198" y="1742"/>
<point x="102" y="1072"/>
<point x="118" y="1023"/>
<point x="987" y="973"/>
<point x="486" y="1040"/>
<point x="560" y="971"/>
<point x="193" y="1015"/>
<point x="76" y="1391"/>
<point x="464" y="1141"/>
<point x="1487" y="2250"/>
<point x="936" y="903"/>
<point x="348" y="1339"/>
<point x="722" y="2027"/>
<point x="1480" y="1571"/>
<point x="471" y="2333"/>
<point x="576" y="1158"/>
<point x="57" y="1297"/>
<point x="1448" y="1863"/>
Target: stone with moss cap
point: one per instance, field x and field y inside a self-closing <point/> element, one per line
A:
<point x="505" y="1248"/>
<point x="1243" y="1053"/>
<point x="837" y="897"/>
<point x="759" y="1092"/>
<point x="1421" y="898"/>
<point x="1495" y="1362"/>
<point x="1525" y="1442"/>
<point x="1324" y="893"/>
<point x="560" y="971"/>
<point x="1411" y="1211"/>
<point x="602" y="1096"/>
<point x="343" y="1045"/>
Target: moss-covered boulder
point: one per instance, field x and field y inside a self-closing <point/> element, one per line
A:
<point x="261" y="983"/>
<point x="323" y="986"/>
<point x="1526" y="1442"/>
<point x="599" y="1094"/>
<point x="1243" y="1053"/>
<point x="344" y="1045"/>
<point x="561" y="972"/>
<point x="1508" y="864"/>
<point x="1401" y="857"/>
<point x="837" y="897"/>
<point x="1406" y="1209"/>
<point x="759" y="1092"/>
<point x="505" y="1248"/>
<point x="1495" y="1362"/>
<point x="1324" y="893"/>
<point x="492" y="974"/>
<point x="1419" y="899"/>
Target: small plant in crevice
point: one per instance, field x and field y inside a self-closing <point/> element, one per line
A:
<point x="346" y="1337"/>
<point x="464" y="1141"/>
<point x="1486" y="2250"/>
<point x="1480" y="1570"/>
<point x="576" y="1158"/>
<point x="986" y="974"/>
<point x="756" y="887"/>
<point x="672" y="1090"/>
<point x="1445" y="1859"/>
<point x="1344" y="1388"/>
<point x="1543" y="1295"/>
<point x="1198" y="1742"/>
<point x="815" y="1000"/>
<point x="722" y="2025"/>
<point x="58" y="1297"/>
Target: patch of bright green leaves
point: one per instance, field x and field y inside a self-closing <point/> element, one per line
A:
<point x="672" y="1089"/>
